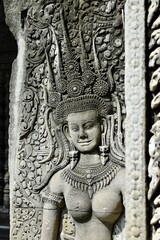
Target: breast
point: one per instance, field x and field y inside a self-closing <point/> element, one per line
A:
<point x="78" y="204"/>
<point x="107" y="206"/>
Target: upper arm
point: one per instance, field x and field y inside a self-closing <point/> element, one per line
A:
<point x="50" y="224"/>
<point x="52" y="195"/>
<point x="123" y="184"/>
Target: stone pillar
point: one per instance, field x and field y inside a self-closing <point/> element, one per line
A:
<point x="7" y="53"/>
<point x="153" y="28"/>
<point x="6" y="125"/>
<point x="135" y="94"/>
<point x="2" y="147"/>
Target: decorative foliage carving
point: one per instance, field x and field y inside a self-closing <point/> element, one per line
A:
<point x="74" y="56"/>
<point x="19" y="200"/>
<point x="26" y="224"/>
<point x="40" y="141"/>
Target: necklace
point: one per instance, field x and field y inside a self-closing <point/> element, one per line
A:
<point x="91" y="178"/>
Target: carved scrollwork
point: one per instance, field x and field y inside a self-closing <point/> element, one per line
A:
<point x="30" y="107"/>
<point x="40" y="146"/>
<point x="19" y="200"/>
<point x="27" y="220"/>
<point x="73" y="49"/>
<point x="27" y="224"/>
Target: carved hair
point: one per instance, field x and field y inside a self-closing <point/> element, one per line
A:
<point x="83" y="103"/>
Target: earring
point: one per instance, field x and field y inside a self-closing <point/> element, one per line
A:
<point x="104" y="152"/>
<point x="73" y="155"/>
<point x="104" y="148"/>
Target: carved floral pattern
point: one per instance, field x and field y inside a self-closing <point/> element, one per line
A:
<point x="98" y="27"/>
<point x="26" y="219"/>
<point x="40" y="145"/>
<point x="26" y="224"/>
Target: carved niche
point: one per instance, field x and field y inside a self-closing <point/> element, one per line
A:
<point x="70" y="152"/>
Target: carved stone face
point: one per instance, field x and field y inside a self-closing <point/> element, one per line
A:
<point x="84" y="130"/>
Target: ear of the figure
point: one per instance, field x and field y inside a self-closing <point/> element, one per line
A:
<point x="66" y="132"/>
<point x="103" y="125"/>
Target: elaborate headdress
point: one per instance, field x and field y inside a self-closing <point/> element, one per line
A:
<point x="79" y="85"/>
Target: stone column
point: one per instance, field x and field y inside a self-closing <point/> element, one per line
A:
<point x="2" y="147"/>
<point x="135" y="94"/>
<point x="7" y="55"/>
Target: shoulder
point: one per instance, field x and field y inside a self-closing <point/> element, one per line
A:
<point x="119" y="180"/>
<point x="121" y="173"/>
<point x="53" y="194"/>
<point x="56" y="183"/>
<point x="121" y="177"/>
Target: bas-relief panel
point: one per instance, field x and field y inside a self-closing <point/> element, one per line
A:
<point x="71" y="146"/>
<point x="69" y="175"/>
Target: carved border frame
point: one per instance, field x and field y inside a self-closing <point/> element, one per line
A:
<point x="153" y="29"/>
<point x="135" y="138"/>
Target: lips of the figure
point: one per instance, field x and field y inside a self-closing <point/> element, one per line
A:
<point x="84" y="142"/>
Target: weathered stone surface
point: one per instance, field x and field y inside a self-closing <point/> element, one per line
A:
<point x="68" y="109"/>
<point x="153" y="27"/>
<point x="135" y="120"/>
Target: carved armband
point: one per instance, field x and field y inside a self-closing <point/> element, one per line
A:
<point x="53" y="199"/>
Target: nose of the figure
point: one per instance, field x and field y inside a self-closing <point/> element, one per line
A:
<point x="82" y="133"/>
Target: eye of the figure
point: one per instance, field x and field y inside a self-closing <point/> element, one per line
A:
<point x="74" y="127"/>
<point x="89" y="125"/>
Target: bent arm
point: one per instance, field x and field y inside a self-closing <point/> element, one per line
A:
<point x="50" y="223"/>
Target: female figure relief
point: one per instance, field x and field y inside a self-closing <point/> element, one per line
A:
<point x="92" y="185"/>
<point x="74" y="73"/>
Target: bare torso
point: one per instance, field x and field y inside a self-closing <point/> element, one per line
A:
<point x="93" y="217"/>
